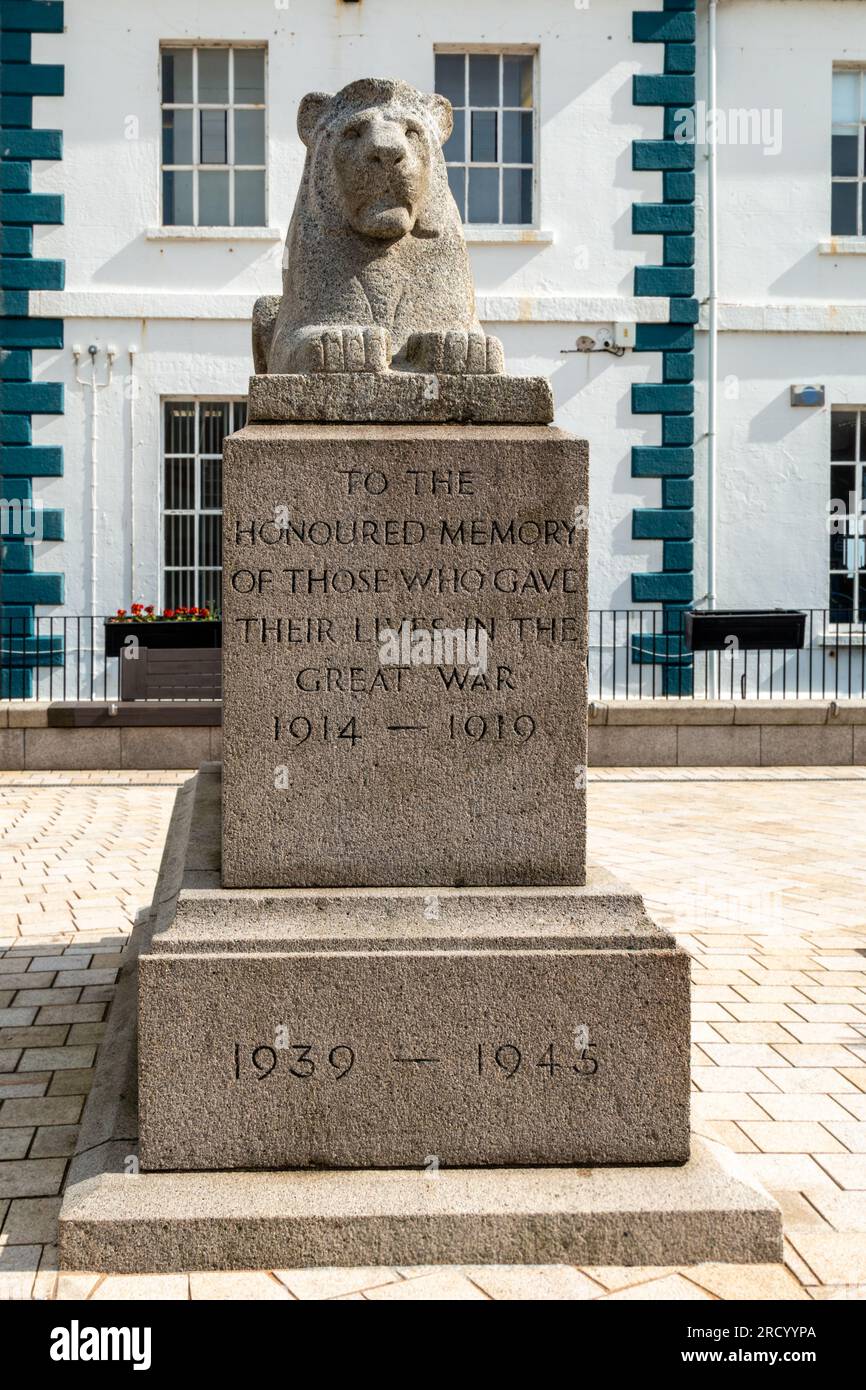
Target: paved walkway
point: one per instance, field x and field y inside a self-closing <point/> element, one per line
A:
<point x="762" y="874"/>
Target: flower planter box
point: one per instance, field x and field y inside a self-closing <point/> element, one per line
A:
<point x="775" y="629"/>
<point x="163" y="636"/>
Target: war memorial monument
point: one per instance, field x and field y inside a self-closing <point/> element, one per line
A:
<point x="384" y="1012"/>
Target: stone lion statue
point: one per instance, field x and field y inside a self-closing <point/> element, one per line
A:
<point x="375" y="273"/>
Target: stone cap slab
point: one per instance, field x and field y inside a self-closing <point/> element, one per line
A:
<point x="470" y="398"/>
<point x="602" y="913"/>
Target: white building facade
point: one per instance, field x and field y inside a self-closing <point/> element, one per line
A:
<point x="579" y="159"/>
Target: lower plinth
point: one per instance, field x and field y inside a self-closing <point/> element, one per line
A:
<point x="650" y="1210"/>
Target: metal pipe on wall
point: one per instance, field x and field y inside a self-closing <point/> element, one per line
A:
<point x="712" y="303"/>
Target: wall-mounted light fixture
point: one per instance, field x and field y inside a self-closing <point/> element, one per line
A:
<point x="807" y="395"/>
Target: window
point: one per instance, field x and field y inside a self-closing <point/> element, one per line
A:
<point x="213" y="137"/>
<point x="847" y="512"/>
<point x="192" y="499"/>
<point x="491" y="151"/>
<point x="849" y="152"/>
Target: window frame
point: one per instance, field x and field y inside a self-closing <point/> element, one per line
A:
<point x="517" y="50"/>
<point x="855" y="521"/>
<point x="858" y="179"/>
<point x="196" y="568"/>
<point x="196" y="168"/>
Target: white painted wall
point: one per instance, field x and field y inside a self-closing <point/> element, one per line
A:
<point x="185" y="303"/>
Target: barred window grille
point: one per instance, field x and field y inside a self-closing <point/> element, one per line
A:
<point x="192" y="499"/>
<point x="848" y="516"/>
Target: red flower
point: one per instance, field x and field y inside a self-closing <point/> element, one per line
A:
<point x="149" y="609"/>
<point x="121" y="612"/>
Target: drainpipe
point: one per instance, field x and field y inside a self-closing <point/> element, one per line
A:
<point x="133" y="597"/>
<point x="94" y="386"/>
<point x="712" y="305"/>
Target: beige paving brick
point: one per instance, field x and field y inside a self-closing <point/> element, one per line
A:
<point x="9" y="1059"/>
<point x="257" y="1286"/>
<point x="70" y="1013"/>
<point x="138" y="1287"/>
<point x="808" y="1080"/>
<point x="836" y="1257"/>
<point x="76" y="1082"/>
<point x="31" y="1177"/>
<point x="334" y="1283"/>
<point x="18" y="1266"/>
<point x="787" y="1170"/>
<point x="613" y="1277"/>
<point x="726" y="1105"/>
<point x="56" y="1058"/>
<point x="856" y="1075"/>
<point x="747" y="1281"/>
<point x="14" y="1143"/>
<point x="793" y="1137"/>
<point x="533" y="1282"/>
<point x="447" y="1284"/>
<point x="75" y="1287"/>
<point x="847" y="1170"/>
<point x="54" y="1141"/>
<point x="732" y="1079"/>
<point x="674" y="1289"/>
<point x="803" y="1107"/>
<point x="32" y="1221"/>
<point x="53" y="1036"/>
<point x="845" y="1211"/>
<point x="47" y="1110"/>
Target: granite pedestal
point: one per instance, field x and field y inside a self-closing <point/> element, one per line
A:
<point x="118" y="1217"/>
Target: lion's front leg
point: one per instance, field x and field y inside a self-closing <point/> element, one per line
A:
<point x="455" y="352"/>
<point x="333" y="348"/>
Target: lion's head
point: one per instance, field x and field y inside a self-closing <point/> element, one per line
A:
<point x="374" y="160"/>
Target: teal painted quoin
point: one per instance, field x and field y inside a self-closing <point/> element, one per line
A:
<point x="22" y="464"/>
<point x="672" y="524"/>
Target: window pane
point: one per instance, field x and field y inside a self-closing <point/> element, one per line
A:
<point x="841" y="598"/>
<point x="483" y="79"/>
<point x="517" y="137"/>
<point x="843" y="485"/>
<point x="844" y="154"/>
<point x="211" y="483"/>
<point x="843" y="434"/>
<point x="213" y="199"/>
<point x="209" y="540"/>
<point x="213" y="74"/>
<point x="249" y="76"/>
<point x="483" y="195"/>
<point x="180" y="427"/>
<point x="517" y="81"/>
<point x="213" y="137"/>
<point x="177" y="200"/>
<point x="843" y="221"/>
<point x="179" y="536"/>
<point x="250" y="198"/>
<point x="177" y="74"/>
<point x="240" y="410"/>
<point x="177" y="137"/>
<point x="179" y="485"/>
<point x="846" y="96"/>
<point x="517" y="195"/>
<point x="457" y="184"/>
<point x="249" y="137"/>
<point x="451" y="77"/>
<point x="484" y="137"/>
<point x="209" y="590"/>
<point x="455" y="146"/>
<point x="214" y="417"/>
<point x="840" y="552"/>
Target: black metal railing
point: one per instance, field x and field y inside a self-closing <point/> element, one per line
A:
<point x="634" y="654"/>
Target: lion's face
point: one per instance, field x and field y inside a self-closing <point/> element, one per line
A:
<point x="381" y="160"/>
<point x="375" y="159"/>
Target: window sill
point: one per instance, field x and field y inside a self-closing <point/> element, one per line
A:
<point x="477" y="234"/>
<point x="213" y="234"/>
<point x="843" y="636"/>
<point x="843" y="246"/>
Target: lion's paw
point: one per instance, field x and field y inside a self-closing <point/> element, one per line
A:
<point x="455" y="352"/>
<point x="327" y="348"/>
